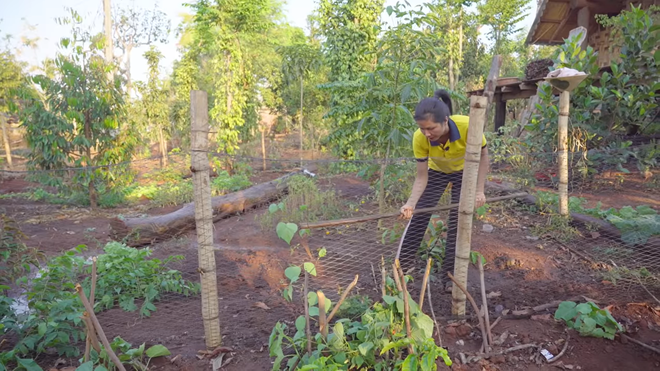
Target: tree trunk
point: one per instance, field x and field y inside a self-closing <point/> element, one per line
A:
<point x="452" y="83"/>
<point x="301" y="120"/>
<point x="263" y="147"/>
<point x="5" y="139"/>
<point x="129" y="81"/>
<point x="163" y="148"/>
<point x="88" y="151"/>
<point x="144" y="231"/>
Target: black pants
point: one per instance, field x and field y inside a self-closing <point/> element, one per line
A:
<point x="437" y="183"/>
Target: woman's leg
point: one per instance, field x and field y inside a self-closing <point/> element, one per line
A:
<point x="437" y="183"/>
<point x="456" y="180"/>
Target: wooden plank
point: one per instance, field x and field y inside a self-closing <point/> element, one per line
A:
<point x="528" y="86"/>
<point x="491" y="81"/>
<point x="522" y="94"/>
<point x="510" y="89"/>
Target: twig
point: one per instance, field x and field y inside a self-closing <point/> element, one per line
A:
<point x="397" y="280"/>
<point x="640" y="343"/>
<point x="323" y="323"/>
<point x="406" y="304"/>
<point x="437" y="327"/>
<point x="99" y="330"/>
<point x="581" y="255"/>
<point x="308" y="332"/>
<point x="424" y="281"/>
<point x="563" y="351"/>
<point x="332" y="223"/>
<point x="484" y="300"/>
<point x="373" y="274"/>
<point x="383" y="275"/>
<point x="343" y="297"/>
<point x="484" y="335"/>
<point x="91" y="333"/>
<point x="647" y="290"/>
<point x="497" y="320"/>
<point x="90" y="329"/>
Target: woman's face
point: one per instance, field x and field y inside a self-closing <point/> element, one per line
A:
<point x="433" y="130"/>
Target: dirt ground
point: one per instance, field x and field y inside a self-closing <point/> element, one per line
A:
<point x="250" y="264"/>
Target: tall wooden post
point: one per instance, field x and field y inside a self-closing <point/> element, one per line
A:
<point x="5" y="140"/>
<point x="564" y="103"/>
<point x="478" y="109"/>
<point x="204" y="215"/>
<point x="478" y="106"/>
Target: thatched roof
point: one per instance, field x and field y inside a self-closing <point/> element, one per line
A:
<point x="556" y="18"/>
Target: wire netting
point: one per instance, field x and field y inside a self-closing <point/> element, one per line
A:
<point x="609" y="252"/>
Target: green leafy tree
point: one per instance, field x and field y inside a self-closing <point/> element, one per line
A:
<point x="503" y="18"/>
<point x="298" y="62"/>
<point x="11" y="78"/>
<point x="74" y="119"/>
<point x="154" y="104"/>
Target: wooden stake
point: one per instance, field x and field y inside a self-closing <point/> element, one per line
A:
<point x="383" y="276"/>
<point x="406" y="304"/>
<point x="90" y="329"/>
<point x="343" y="297"/>
<point x="476" y="310"/>
<point x="424" y="282"/>
<point x="397" y="280"/>
<point x="323" y="322"/>
<point x="308" y="331"/>
<point x="204" y="216"/>
<point x="361" y="219"/>
<point x="91" y="333"/>
<point x="263" y="148"/>
<point x="484" y="300"/>
<point x="564" y="103"/>
<point x="99" y="330"/>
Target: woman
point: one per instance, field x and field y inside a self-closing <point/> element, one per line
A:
<point x="439" y="147"/>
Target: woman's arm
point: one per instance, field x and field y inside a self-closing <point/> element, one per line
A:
<point x="421" y="178"/>
<point x="481" y="178"/>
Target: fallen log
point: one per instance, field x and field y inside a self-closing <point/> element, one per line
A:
<point x="604" y="227"/>
<point x="144" y="231"/>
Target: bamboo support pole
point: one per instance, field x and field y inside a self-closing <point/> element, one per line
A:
<point x="343" y="297"/>
<point x="564" y="103"/>
<point x="397" y="280"/>
<point x="383" y="276"/>
<point x="99" y="329"/>
<point x="308" y="331"/>
<point x="91" y="334"/>
<point x="484" y="300"/>
<point x="429" y="262"/>
<point x="406" y="304"/>
<point x="478" y="107"/>
<point x="476" y="311"/>
<point x="204" y="216"/>
<point x="90" y="329"/>
<point x="368" y="218"/>
<point x="323" y="322"/>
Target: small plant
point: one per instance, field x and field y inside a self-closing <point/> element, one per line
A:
<point x="588" y="319"/>
<point x="225" y="183"/>
<point x="137" y="358"/>
<point x="15" y="257"/>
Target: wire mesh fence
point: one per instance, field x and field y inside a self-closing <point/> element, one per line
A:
<point x="609" y="252"/>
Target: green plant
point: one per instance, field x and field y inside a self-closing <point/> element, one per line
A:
<point x="137" y="358"/>
<point x="588" y="319"/>
<point x="305" y="202"/>
<point x="15" y="257"/>
<point x="125" y="275"/>
<point x="376" y="342"/>
<point x="224" y="183"/>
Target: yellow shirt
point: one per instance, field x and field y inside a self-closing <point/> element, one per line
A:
<point x="449" y="158"/>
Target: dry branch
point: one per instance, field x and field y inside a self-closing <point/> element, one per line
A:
<point x="144" y="231"/>
<point x="424" y="281"/>
<point x="98" y="328"/>
<point x="640" y="343"/>
<point x="476" y="310"/>
<point x="368" y="218"/>
<point x="435" y="320"/>
<point x="406" y="304"/>
<point x="90" y="329"/>
<point x="484" y="300"/>
<point x="343" y="297"/>
<point x="563" y="351"/>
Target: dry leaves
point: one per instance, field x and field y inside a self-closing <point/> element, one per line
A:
<point x="261" y="305"/>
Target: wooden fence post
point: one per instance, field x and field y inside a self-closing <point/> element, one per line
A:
<point x="478" y="110"/>
<point x="564" y="102"/>
<point x="204" y="215"/>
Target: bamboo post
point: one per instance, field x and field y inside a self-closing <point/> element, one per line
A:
<point x="429" y="262"/>
<point x="204" y="216"/>
<point x="90" y="329"/>
<point x="263" y="148"/>
<point x="323" y="322"/>
<point x="466" y="206"/>
<point x="308" y="331"/>
<point x="406" y="304"/>
<point x="564" y="102"/>
<point x="5" y="140"/>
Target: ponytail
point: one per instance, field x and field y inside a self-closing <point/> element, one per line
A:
<point x="443" y="95"/>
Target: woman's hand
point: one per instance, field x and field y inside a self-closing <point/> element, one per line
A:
<point x="479" y="200"/>
<point x="406" y="211"/>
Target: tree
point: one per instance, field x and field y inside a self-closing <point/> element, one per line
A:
<point x="502" y="17"/>
<point x="74" y="119"/>
<point x="134" y="27"/>
<point x="11" y="77"/>
<point x="154" y="103"/>
<point x="298" y="61"/>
